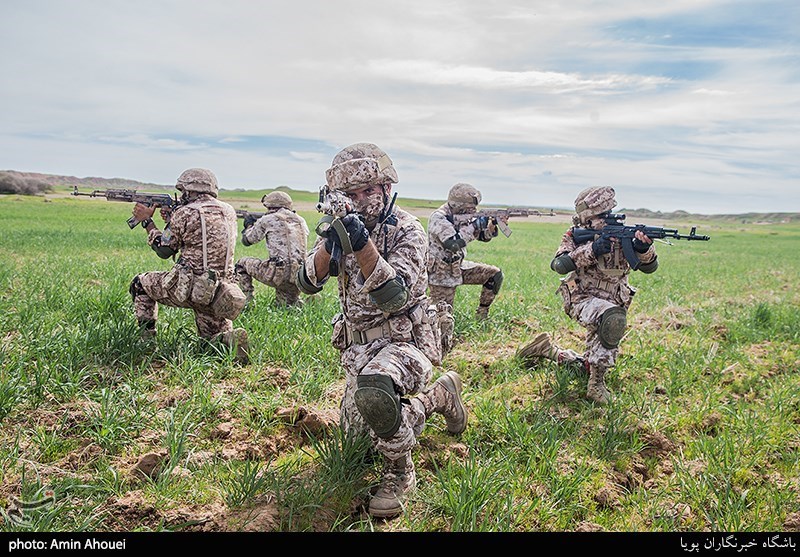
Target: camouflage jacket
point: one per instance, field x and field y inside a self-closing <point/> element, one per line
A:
<point x="184" y="233"/>
<point x="403" y="250"/>
<point x="604" y="277"/>
<point x="444" y="266"/>
<point x="286" y="235"/>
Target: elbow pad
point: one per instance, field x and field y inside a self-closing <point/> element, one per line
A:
<point x="649" y="267"/>
<point x="454" y="243"/>
<point x="304" y="284"/>
<point x="391" y="296"/>
<point x="164" y="252"/>
<point x="563" y="264"/>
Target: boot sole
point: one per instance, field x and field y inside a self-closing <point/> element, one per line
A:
<point x="452" y="379"/>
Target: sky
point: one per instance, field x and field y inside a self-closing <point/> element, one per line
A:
<point x="679" y="105"/>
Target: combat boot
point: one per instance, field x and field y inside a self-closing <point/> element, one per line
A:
<point x="237" y="338"/>
<point x="540" y="347"/>
<point x="399" y="480"/>
<point x="444" y="397"/>
<point x="147" y="328"/>
<point x="596" y="389"/>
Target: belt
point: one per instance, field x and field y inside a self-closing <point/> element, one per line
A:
<point x="380" y="331"/>
<point x="607" y="285"/>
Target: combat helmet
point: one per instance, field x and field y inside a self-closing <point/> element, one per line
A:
<point x="198" y="180"/>
<point x="359" y="165"/>
<point x="594" y="201"/>
<point x="277" y="199"/>
<point x="463" y="198"/>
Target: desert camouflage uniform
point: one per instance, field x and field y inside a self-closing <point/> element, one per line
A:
<point x="403" y="252"/>
<point x="595" y="285"/>
<point x="447" y="269"/>
<point x="286" y="235"/>
<point x="184" y="233"/>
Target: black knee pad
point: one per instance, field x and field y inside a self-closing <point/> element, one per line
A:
<point x="495" y="282"/>
<point x="136" y="288"/>
<point x="612" y="326"/>
<point x="378" y="404"/>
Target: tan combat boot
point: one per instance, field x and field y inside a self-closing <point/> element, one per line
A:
<point x="540" y="347"/>
<point x="597" y="390"/>
<point x="446" y="394"/>
<point x="237" y="339"/>
<point x="399" y="480"/>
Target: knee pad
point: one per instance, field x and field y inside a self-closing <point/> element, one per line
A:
<point x="136" y="288"/>
<point x="612" y="326"/>
<point x="378" y="404"/>
<point x="495" y="282"/>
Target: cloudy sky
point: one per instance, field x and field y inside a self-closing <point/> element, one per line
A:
<point x="678" y="104"/>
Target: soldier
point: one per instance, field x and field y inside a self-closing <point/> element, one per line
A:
<point x="595" y="292"/>
<point x="286" y="235"/>
<point x="386" y="333"/>
<point x="203" y="230"/>
<point x="448" y="236"/>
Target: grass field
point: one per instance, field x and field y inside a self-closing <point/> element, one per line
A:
<point x="701" y="434"/>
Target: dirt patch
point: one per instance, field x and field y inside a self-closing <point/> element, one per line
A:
<point x="671" y="318"/>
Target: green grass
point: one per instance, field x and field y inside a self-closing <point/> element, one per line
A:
<point x="701" y="434"/>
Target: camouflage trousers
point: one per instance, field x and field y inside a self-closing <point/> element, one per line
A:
<point x="587" y="312"/>
<point x="471" y="273"/>
<point x="151" y="292"/>
<point x="274" y="273"/>
<point x="410" y="371"/>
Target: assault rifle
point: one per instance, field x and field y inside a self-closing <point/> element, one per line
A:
<point x="241" y="213"/>
<point x="334" y="205"/>
<point x="498" y="216"/>
<point x="133" y="196"/>
<point x="615" y="228"/>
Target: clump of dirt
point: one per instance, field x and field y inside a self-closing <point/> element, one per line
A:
<point x="607" y="497"/>
<point x="710" y="424"/>
<point x="792" y="522"/>
<point x="148" y="465"/>
<point x="309" y="421"/>
<point x="586" y="526"/>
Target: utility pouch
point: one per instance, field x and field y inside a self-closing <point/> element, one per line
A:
<point x="425" y="332"/>
<point x="339" y="334"/>
<point x="204" y="287"/>
<point x="228" y="301"/>
<point x="178" y="283"/>
<point x="567" y="287"/>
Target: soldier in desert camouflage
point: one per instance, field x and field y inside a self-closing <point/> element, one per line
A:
<point x="595" y="292"/>
<point x="448" y="239"/>
<point x="387" y="333"/>
<point x="203" y="230"/>
<point x="286" y="235"/>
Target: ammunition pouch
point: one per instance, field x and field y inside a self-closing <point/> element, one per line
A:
<point x="378" y="404"/>
<point x="203" y="288"/>
<point x="228" y="301"/>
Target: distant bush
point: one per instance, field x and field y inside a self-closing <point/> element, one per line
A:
<point x="10" y="183"/>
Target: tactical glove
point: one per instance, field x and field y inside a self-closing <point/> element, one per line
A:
<point x="359" y="235"/>
<point x="249" y="220"/>
<point x="639" y="246"/>
<point x="482" y="222"/>
<point x="601" y="246"/>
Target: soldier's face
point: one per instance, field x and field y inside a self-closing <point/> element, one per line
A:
<point x="368" y="201"/>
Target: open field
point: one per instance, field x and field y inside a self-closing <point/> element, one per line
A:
<point x="701" y="434"/>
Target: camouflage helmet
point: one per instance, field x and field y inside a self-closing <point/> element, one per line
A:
<point x="360" y="165"/>
<point x="463" y="198"/>
<point x="277" y="199"/>
<point x="198" y="180"/>
<point x="594" y="201"/>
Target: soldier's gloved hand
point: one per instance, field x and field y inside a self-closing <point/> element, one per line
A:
<point x="482" y="222"/>
<point x="249" y="220"/>
<point x="641" y="243"/>
<point x="359" y="235"/>
<point x="332" y="239"/>
<point x="601" y="246"/>
<point x="166" y="214"/>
